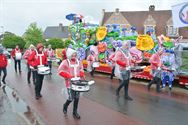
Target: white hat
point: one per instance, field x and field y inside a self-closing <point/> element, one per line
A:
<point x="70" y="52"/>
<point x="31" y="46"/>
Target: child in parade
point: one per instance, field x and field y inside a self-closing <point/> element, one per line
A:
<point x="26" y="55"/>
<point x="16" y="55"/>
<point x="3" y="65"/>
<point x="36" y="59"/>
<point x="71" y="68"/>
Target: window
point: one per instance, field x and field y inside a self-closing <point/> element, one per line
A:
<point x="171" y="31"/>
<point x="149" y="28"/>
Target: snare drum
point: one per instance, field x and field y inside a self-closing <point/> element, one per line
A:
<point x="95" y="64"/>
<point x="18" y="56"/>
<point x="43" y="70"/>
<point x="80" y="86"/>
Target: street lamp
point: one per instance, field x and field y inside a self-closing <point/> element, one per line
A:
<point x="2" y="32"/>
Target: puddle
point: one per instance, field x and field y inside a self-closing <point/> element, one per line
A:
<point x="21" y="108"/>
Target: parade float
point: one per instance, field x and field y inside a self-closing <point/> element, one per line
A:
<point x="104" y="38"/>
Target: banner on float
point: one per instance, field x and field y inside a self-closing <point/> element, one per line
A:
<point x="180" y="15"/>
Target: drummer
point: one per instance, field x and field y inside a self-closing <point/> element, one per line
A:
<point x="26" y="55"/>
<point x="71" y="68"/>
<point x="50" y="54"/>
<point x="16" y="55"/>
<point x="38" y="58"/>
<point x="92" y="57"/>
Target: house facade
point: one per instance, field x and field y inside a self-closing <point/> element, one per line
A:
<point x="60" y="31"/>
<point x="159" y="21"/>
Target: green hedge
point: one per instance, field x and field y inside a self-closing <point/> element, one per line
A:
<point x="11" y="40"/>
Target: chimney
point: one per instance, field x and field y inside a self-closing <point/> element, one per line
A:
<point x="117" y="10"/>
<point x="103" y="11"/>
<point x="151" y="8"/>
<point x="61" y="26"/>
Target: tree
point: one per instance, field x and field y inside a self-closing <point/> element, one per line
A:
<point x="56" y="43"/>
<point x="67" y="42"/>
<point x="10" y="40"/>
<point x="33" y="35"/>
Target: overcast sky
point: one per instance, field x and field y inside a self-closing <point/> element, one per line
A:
<point x="16" y="15"/>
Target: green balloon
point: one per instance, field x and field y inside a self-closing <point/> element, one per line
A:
<point x="168" y="44"/>
<point x="102" y="55"/>
<point x="110" y="46"/>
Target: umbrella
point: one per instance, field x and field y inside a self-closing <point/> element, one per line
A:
<point x="70" y="16"/>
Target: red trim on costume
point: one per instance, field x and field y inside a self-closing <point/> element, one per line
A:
<point x="123" y="64"/>
<point x="65" y="75"/>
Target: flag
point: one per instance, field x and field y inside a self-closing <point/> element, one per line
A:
<point x="180" y="15"/>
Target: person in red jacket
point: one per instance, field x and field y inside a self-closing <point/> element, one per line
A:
<point x="36" y="59"/>
<point x="26" y="55"/>
<point x="71" y="68"/>
<point x="50" y="54"/>
<point x="3" y="65"/>
<point x="16" y="55"/>
<point x="123" y="61"/>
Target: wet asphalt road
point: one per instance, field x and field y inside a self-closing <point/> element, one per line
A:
<point x="101" y="106"/>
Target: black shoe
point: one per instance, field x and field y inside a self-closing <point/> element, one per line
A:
<point x="158" y="91"/>
<point x="37" y="97"/>
<point x="76" y="115"/>
<point x="64" y="109"/>
<point x="117" y="93"/>
<point x="170" y="88"/>
<point x="128" y="98"/>
<point x="40" y="96"/>
<point x="148" y="86"/>
<point x="3" y="81"/>
<point x="28" y="82"/>
<point x="20" y="71"/>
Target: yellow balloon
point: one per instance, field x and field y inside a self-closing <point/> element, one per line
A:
<point x="144" y="42"/>
<point x="101" y="33"/>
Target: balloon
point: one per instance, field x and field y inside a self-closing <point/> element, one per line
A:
<point x="144" y="42"/>
<point x="136" y="54"/>
<point x="102" y="56"/>
<point x="101" y="33"/>
<point x="102" y="47"/>
<point x="94" y="49"/>
<point x="168" y="44"/>
<point x="110" y="46"/>
<point x="81" y="53"/>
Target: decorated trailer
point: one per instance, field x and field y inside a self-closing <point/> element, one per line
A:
<point x="87" y="38"/>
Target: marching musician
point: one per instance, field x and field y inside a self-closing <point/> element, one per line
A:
<point x="122" y="70"/>
<point x="50" y="54"/>
<point x="16" y="55"/>
<point x="26" y="55"/>
<point x="38" y="59"/>
<point x="156" y="64"/>
<point x="92" y="57"/>
<point x="68" y="69"/>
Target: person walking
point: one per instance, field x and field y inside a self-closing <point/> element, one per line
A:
<point x="3" y="65"/>
<point x="50" y="55"/>
<point x="37" y="59"/>
<point x="71" y="68"/>
<point x="123" y="63"/>
<point x="26" y="55"/>
<point x="17" y="56"/>
<point x="155" y="62"/>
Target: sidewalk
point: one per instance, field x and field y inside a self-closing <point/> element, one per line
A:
<point x="7" y="116"/>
